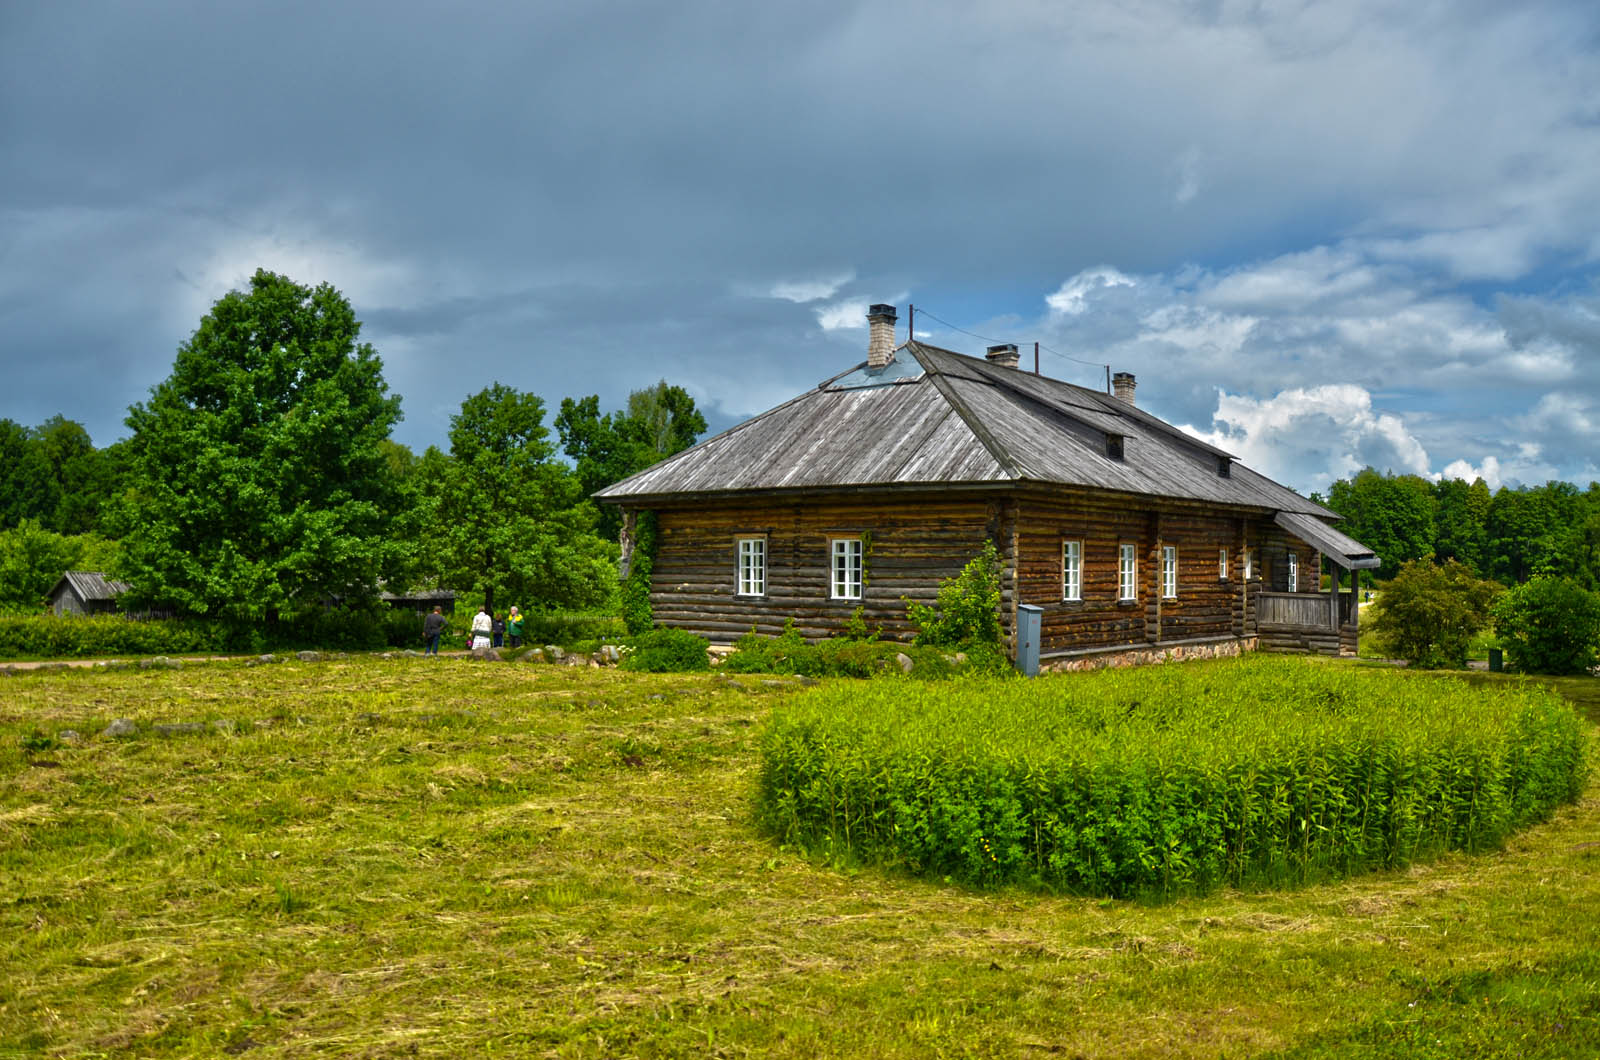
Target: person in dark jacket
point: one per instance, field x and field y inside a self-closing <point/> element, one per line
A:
<point x="499" y="628"/>
<point x="432" y="629"/>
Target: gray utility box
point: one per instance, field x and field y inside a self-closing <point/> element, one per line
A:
<point x="1029" y="618"/>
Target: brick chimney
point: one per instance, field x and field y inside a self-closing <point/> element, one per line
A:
<point x="1123" y="384"/>
<point x="880" y="340"/>
<point x="1004" y="355"/>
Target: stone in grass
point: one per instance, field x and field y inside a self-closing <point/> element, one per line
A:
<point x="178" y="728"/>
<point x="488" y="654"/>
<point x="308" y="656"/>
<point x="534" y="655"/>
<point x="121" y="727"/>
<point x="225" y="725"/>
<point x="69" y="736"/>
<point x="268" y="658"/>
<point x="555" y="653"/>
<point x="904" y="661"/>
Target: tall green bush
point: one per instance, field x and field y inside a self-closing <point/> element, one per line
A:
<point x="1429" y="612"/>
<point x="967" y="612"/>
<point x="636" y="612"/>
<point x="1549" y="626"/>
<point x="1263" y="771"/>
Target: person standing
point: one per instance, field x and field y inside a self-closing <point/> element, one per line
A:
<point x="482" y="629"/>
<point x="499" y="631"/>
<point x="432" y="630"/>
<point x="514" y="627"/>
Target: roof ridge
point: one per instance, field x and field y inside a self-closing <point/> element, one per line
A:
<point x="974" y="422"/>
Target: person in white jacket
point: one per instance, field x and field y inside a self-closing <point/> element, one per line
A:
<point x="482" y="626"/>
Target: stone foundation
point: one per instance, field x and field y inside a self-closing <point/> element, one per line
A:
<point x="1157" y="653"/>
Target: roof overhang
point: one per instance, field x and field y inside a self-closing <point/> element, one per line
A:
<point x="1342" y="549"/>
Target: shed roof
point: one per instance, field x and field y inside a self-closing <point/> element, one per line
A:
<point x="90" y="585"/>
<point x="935" y="417"/>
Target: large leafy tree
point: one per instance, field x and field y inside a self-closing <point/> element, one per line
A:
<point x="258" y="475"/>
<point x="1391" y="514"/>
<point x="502" y="516"/>
<point x="659" y="421"/>
<point x="27" y="488"/>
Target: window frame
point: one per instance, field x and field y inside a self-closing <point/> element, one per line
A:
<point x="1169" y="572"/>
<point x="1249" y="564"/>
<point x="1222" y="564"/>
<point x="1294" y="571"/>
<point x="859" y="569"/>
<point x="1072" y="571"/>
<point x="741" y="551"/>
<point x="1127" y="573"/>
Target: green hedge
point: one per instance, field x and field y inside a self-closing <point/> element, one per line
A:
<point x="47" y="636"/>
<point x="790" y="653"/>
<point x="1165" y="781"/>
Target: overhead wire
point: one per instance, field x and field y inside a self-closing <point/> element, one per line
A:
<point x="921" y="312"/>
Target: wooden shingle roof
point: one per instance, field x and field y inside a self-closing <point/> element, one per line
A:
<point x="940" y="418"/>
<point x="91" y="586"/>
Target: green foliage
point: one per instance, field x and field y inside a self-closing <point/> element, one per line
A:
<point x="566" y="628"/>
<point x="1391" y="514"/>
<point x="660" y="420"/>
<point x="79" y="636"/>
<point x="790" y="653"/>
<point x="1165" y="781"/>
<point x="967" y="611"/>
<point x="1429" y="613"/>
<point x="259" y="482"/>
<point x="635" y="590"/>
<point x="1549" y="626"/>
<point x="501" y="516"/>
<point x="664" y="651"/>
<point x="33" y="559"/>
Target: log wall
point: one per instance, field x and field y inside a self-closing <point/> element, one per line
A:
<point x="912" y="544"/>
<point x="916" y="541"/>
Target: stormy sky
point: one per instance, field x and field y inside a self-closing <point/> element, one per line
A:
<point x="1322" y="235"/>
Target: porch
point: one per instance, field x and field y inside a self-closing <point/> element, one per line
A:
<point x="1323" y="623"/>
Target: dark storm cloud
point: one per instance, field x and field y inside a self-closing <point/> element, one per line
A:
<point x="586" y="197"/>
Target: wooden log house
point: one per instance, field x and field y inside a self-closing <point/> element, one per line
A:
<point x="1135" y="538"/>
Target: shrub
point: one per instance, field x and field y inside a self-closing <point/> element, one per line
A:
<point x="1165" y="781"/>
<point x="635" y="590"/>
<point x="78" y="636"/>
<point x="568" y="627"/>
<point x="1428" y="613"/>
<point x="1549" y="626"/>
<point x="667" y="651"/>
<point x="967" y="611"/>
<point x="790" y="653"/>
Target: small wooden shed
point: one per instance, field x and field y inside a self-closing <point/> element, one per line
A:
<point x="85" y="592"/>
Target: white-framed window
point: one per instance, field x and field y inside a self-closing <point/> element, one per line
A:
<point x="1127" y="573"/>
<point x="1249" y="563"/>
<point x="1222" y="564"/>
<point x="752" y="580"/>
<point x="1169" y="571"/>
<point x="1072" y="570"/>
<point x="846" y="564"/>
<point x="1294" y="572"/>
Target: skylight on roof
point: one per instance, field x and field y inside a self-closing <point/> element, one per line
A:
<point x="904" y="369"/>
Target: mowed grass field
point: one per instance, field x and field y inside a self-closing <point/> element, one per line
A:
<point x="373" y="858"/>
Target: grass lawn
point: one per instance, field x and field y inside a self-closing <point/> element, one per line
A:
<point x="450" y="858"/>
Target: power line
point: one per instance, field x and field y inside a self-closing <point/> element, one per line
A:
<point x="995" y="342"/>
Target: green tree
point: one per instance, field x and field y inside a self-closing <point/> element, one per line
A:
<point x="1428" y="613"/>
<point x="504" y="517"/>
<point x="1536" y="530"/>
<point x="32" y="560"/>
<point x="27" y="488"/>
<point x="1459" y="526"/>
<point x="1391" y="514"/>
<point x="660" y="420"/>
<point x="258" y="478"/>
<point x="1549" y="626"/>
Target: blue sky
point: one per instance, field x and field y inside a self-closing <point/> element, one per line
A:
<point x="1321" y="235"/>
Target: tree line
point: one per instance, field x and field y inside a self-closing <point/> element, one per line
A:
<point x="1509" y="535"/>
<point x="260" y="479"/>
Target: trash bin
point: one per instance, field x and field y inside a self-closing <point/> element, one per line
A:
<point x="1496" y="663"/>
<point x="1029" y="618"/>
